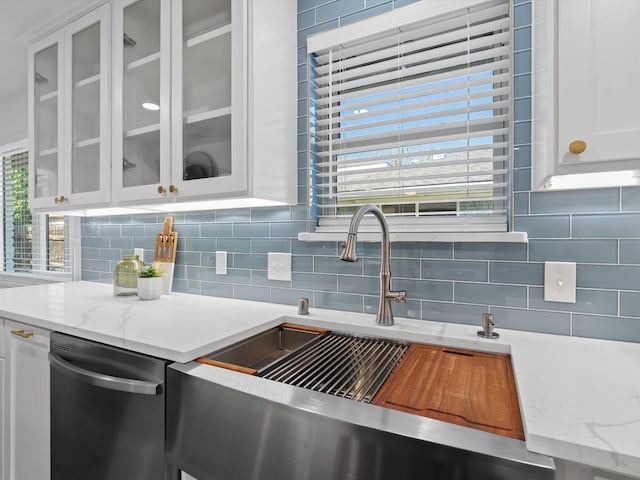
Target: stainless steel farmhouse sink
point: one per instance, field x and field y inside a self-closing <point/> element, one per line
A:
<point x="293" y="417"/>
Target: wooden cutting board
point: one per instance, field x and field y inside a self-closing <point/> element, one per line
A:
<point x="465" y="387"/>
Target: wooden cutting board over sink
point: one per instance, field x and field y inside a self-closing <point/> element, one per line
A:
<point x="465" y="387"/>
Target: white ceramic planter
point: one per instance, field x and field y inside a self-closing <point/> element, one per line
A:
<point x="149" y="288"/>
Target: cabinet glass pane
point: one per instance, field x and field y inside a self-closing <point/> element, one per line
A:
<point x="141" y="163"/>
<point x="141" y="93"/>
<point x="206" y="88"/>
<point x="46" y="122"/>
<point x="85" y="160"/>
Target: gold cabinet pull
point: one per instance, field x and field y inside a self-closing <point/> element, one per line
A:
<point x="577" y="147"/>
<point x="22" y="333"/>
<point x="161" y="189"/>
<point x="173" y="188"/>
<point x="60" y="199"/>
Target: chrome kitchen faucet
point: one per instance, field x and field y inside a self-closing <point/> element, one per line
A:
<point x="385" y="316"/>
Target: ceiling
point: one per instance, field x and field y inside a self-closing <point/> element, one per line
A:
<point x="20" y="21"/>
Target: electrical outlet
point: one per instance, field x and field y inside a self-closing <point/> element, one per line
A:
<point x="560" y="282"/>
<point x="279" y="266"/>
<point x="221" y="263"/>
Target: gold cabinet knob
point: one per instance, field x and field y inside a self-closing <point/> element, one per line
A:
<point x="63" y="198"/>
<point x="161" y="189"/>
<point x="56" y="200"/>
<point x="577" y="147"/>
<point x="22" y="333"/>
<point x="173" y="188"/>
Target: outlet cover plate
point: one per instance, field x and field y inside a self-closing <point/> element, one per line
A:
<point x="560" y="282"/>
<point x="221" y="263"/>
<point x="279" y="266"/>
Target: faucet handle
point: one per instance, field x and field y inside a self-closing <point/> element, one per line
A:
<point x="399" y="296"/>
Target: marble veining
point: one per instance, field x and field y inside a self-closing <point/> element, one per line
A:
<point x="580" y="398"/>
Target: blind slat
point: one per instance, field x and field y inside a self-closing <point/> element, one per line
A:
<point x="448" y="137"/>
<point x="409" y="71"/>
<point x="454" y="77"/>
<point x="483" y="124"/>
<point x="363" y="161"/>
<point x="456" y="53"/>
<point x="405" y="100"/>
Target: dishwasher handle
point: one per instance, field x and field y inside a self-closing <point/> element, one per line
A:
<point x="104" y="381"/>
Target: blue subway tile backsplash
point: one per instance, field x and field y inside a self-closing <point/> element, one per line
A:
<point x="445" y="282"/>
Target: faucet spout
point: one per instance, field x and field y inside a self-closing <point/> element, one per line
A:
<point x="385" y="315"/>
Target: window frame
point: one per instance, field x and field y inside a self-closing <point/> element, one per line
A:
<point x="413" y="228"/>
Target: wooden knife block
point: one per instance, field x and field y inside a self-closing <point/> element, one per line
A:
<point x="465" y="387"/>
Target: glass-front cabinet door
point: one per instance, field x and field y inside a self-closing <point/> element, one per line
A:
<point x="141" y="117"/>
<point x="69" y="107"/>
<point x="208" y="97"/>
<point x="87" y="104"/>
<point x="45" y="120"/>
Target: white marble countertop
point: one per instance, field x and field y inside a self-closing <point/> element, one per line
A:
<point x="580" y="398"/>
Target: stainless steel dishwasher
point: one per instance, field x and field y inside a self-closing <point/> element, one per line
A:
<point x="107" y="413"/>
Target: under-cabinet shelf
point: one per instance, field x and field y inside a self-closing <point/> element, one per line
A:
<point x="202" y="114"/>
<point x="206" y="36"/>
<point x="142" y="61"/>
<point x="87" y="81"/>
<point x="48" y="96"/>
<point x="142" y="130"/>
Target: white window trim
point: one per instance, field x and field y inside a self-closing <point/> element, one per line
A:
<point x="404" y="229"/>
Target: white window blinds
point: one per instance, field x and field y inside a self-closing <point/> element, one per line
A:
<point x="30" y="243"/>
<point x="416" y="120"/>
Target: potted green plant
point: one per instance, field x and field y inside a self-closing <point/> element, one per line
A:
<point x="150" y="282"/>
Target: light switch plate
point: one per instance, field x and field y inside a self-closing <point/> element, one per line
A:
<point x="221" y="263"/>
<point x="279" y="266"/>
<point x="560" y="282"/>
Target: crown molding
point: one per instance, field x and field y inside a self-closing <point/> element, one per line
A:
<point x="66" y="15"/>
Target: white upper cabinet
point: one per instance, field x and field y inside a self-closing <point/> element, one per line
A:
<point x="197" y="142"/>
<point x="585" y="97"/>
<point x="69" y="115"/>
<point x="202" y="106"/>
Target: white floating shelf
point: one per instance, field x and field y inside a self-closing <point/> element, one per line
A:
<point x="198" y="116"/>
<point x="204" y="37"/>
<point x="48" y="151"/>
<point x="142" y="61"/>
<point x="48" y="96"/>
<point x="87" y="81"/>
<point x="88" y="142"/>
<point x="142" y="130"/>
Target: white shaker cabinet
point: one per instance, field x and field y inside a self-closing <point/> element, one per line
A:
<point x="585" y="95"/>
<point x="26" y="403"/>
<point x="69" y="111"/>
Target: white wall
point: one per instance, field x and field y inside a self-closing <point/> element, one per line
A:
<point x="13" y="118"/>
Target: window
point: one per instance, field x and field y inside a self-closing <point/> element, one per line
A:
<point x="410" y="111"/>
<point x="30" y="243"/>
